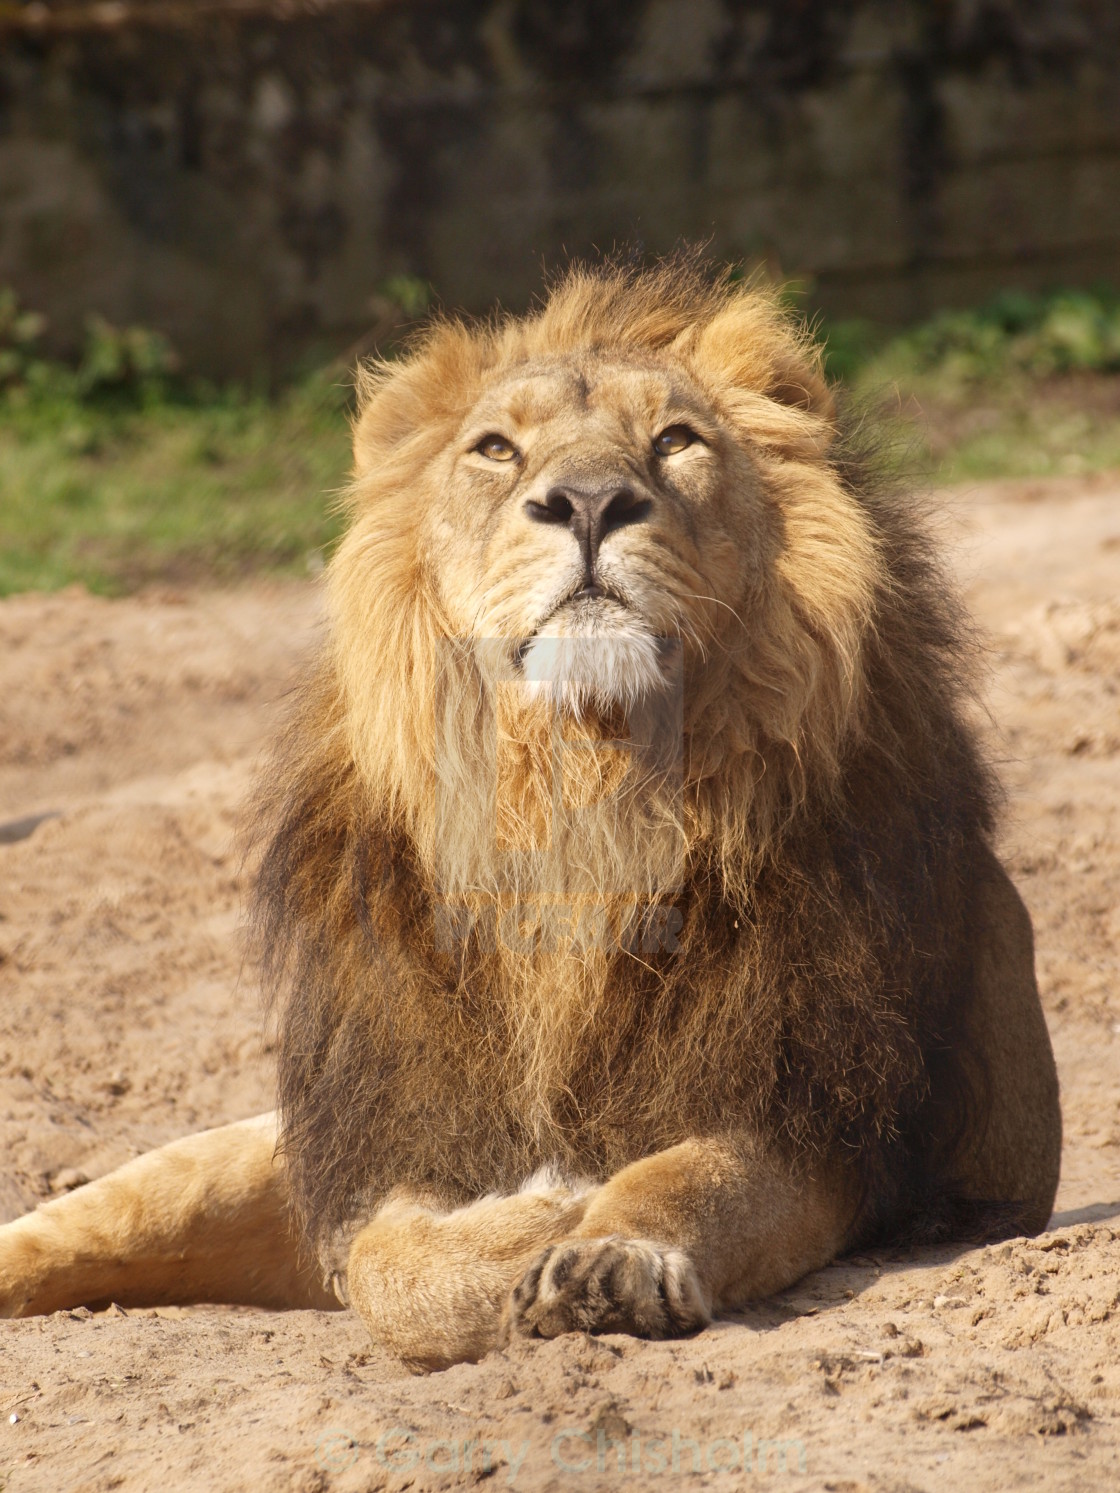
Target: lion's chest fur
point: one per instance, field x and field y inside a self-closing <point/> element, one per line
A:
<point x="448" y="1058"/>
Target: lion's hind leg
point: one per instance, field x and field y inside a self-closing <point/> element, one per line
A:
<point x="204" y="1218"/>
<point x="430" y="1285"/>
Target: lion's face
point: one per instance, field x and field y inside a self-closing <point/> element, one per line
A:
<point x="629" y="490"/>
<point x="591" y="512"/>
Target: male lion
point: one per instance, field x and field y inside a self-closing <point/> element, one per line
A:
<point x="628" y="838"/>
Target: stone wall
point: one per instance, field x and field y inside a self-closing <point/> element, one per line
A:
<point x="245" y="175"/>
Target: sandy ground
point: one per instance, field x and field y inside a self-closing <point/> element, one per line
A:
<point x="123" y="1023"/>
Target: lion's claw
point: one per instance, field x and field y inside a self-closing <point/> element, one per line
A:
<point x="606" y="1285"/>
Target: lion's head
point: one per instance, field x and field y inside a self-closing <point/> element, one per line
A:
<point x="616" y="627"/>
<point x="624" y="496"/>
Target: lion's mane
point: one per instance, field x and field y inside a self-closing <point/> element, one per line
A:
<point x="835" y="806"/>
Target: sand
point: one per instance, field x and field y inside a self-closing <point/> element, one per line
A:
<point x="125" y="1021"/>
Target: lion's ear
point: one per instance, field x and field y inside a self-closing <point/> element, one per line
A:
<point x="424" y="392"/>
<point x="753" y="344"/>
<point x="799" y="381"/>
<point x="388" y="410"/>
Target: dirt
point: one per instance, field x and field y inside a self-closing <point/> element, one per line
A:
<point x="124" y="1021"/>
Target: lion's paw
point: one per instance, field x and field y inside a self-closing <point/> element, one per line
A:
<point x="606" y="1285"/>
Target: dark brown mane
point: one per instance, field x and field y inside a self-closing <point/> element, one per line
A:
<point x="813" y="1001"/>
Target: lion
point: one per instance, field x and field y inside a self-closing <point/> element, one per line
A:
<point x="626" y="890"/>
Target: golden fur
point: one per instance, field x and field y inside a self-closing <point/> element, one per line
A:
<point x="628" y="833"/>
<point x="817" y="846"/>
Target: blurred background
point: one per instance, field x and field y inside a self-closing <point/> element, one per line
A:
<point x="210" y="208"/>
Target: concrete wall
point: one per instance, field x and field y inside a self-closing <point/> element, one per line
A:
<point x="244" y="175"/>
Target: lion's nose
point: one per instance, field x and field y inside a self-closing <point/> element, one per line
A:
<point x="591" y="516"/>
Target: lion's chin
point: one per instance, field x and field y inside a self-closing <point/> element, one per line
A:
<point x="586" y="667"/>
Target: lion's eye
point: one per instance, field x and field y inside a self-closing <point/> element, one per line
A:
<point x="497" y="448"/>
<point x="672" y="439"/>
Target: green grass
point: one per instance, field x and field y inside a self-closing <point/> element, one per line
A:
<point x="114" y="495"/>
<point x="1053" y="429"/>
<point x="116" y="473"/>
<point x="1025" y="386"/>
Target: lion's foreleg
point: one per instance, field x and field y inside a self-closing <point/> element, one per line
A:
<point x="670" y="1240"/>
<point x="202" y="1219"/>
<point x="430" y="1285"/>
<point x="654" y="1251"/>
